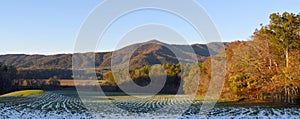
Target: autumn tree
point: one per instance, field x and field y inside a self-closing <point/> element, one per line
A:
<point x="283" y="32"/>
<point x="109" y="78"/>
<point x="53" y="82"/>
<point x="265" y="64"/>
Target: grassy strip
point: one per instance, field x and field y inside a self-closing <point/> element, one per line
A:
<point x="23" y="93"/>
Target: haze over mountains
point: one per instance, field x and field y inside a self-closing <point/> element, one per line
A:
<point x="147" y="53"/>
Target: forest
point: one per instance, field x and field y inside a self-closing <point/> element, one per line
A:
<point x="266" y="67"/>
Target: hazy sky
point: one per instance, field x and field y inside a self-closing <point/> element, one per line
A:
<point x="51" y="26"/>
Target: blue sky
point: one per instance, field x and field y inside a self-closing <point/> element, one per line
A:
<point x="51" y="26"/>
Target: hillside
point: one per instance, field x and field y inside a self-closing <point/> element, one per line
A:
<point x="147" y="53"/>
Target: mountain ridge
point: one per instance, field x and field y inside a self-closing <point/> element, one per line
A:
<point x="146" y="53"/>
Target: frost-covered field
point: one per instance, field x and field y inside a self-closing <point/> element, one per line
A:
<point x="55" y="105"/>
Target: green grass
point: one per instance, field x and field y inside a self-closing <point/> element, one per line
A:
<point x="23" y="93"/>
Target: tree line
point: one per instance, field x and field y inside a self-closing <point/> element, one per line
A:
<point x="267" y="64"/>
<point x="7" y="74"/>
<point x="144" y="75"/>
<point x="266" y="67"/>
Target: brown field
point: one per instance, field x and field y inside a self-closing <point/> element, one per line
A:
<point x="63" y="82"/>
<point x="79" y="82"/>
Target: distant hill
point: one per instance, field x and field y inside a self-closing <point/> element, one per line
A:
<point x="147" y="53"/>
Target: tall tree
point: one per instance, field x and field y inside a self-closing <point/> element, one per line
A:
<point x="7" y="74"/>
<point x="284" y="33"/>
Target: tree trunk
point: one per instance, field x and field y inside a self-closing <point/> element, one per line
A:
<point x="286" y="74"/>
<point x="287" y="58"/>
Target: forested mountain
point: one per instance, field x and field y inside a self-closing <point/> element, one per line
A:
<point x="148" y="53"/>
